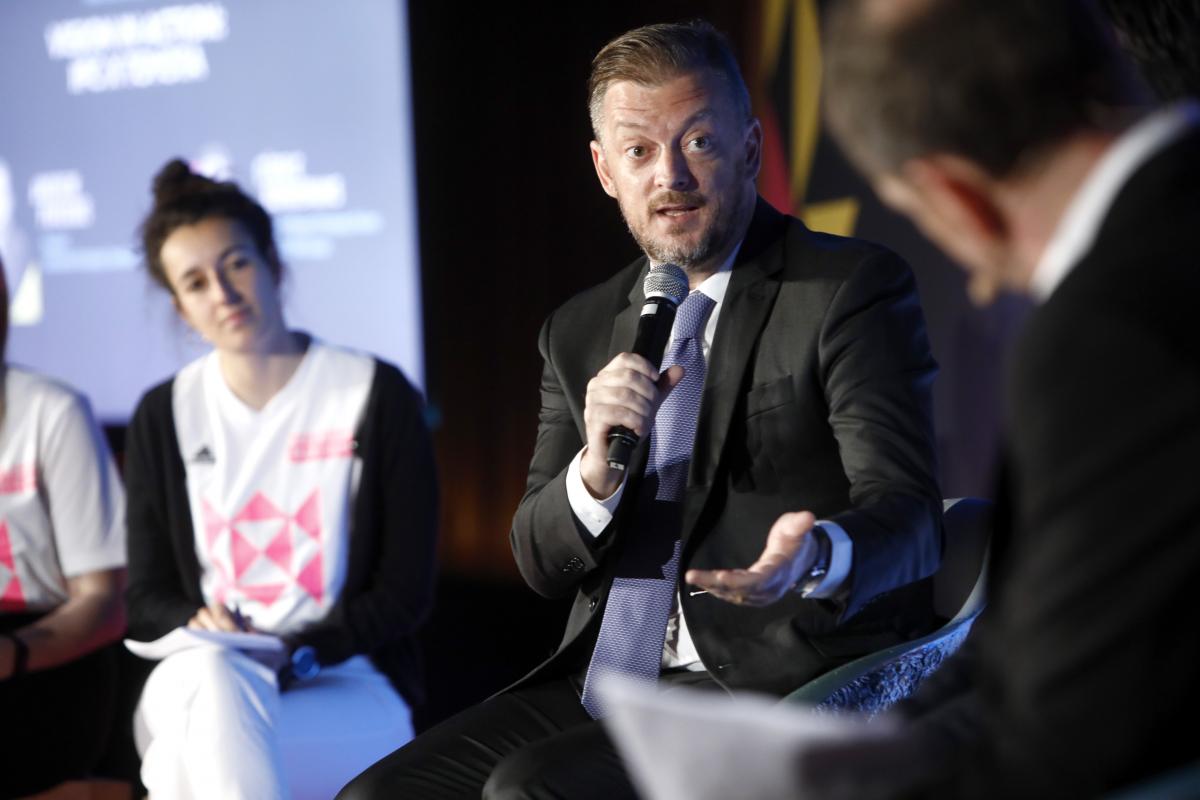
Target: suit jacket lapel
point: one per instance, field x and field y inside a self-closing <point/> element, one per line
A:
<point x="625" y="325"/>
<point x="748" y="300"/>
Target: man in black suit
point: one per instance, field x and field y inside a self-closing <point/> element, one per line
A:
<point x="811" y="379"/>
<point x="1013" y="134"/>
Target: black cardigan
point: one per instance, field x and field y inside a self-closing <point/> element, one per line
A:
<point x="389" y="578"/>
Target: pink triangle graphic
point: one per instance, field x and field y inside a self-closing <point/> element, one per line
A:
<point x="311" y="578"/>
<point x="13" y="598"/>
<point x="213" y="524"/>
<point x="280" y="548"/>
<point x="259" y="508"/>
<point x="223" y="583"/>
<point x="309" y="515"/>
<point x="243" y="553"/>
<point x="265" y="593"/>
<point x="6" y="556"/>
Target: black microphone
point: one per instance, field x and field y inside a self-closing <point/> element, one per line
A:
<point x="665" y="288"/>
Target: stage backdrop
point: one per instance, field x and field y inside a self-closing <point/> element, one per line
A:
<point x="305" y="102"/>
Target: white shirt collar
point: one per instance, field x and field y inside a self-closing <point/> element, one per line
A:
<point x="1076" y="230"/>
<point x="715" y="285"/>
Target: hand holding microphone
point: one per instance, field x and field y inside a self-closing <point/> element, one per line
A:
<point x="624" y="396"/>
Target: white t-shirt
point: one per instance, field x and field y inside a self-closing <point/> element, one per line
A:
<point x="62" y="504"/>
<point x="270" y="490"/>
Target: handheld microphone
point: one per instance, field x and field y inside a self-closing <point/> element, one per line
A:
<point x="665" y="288"/>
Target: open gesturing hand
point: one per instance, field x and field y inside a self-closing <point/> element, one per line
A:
<point x="788" y="556"/>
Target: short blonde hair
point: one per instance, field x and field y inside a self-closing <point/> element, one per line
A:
<point x="654" y="54"/>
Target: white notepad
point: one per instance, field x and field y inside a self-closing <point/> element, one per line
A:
<point x="688" y="744"/>
<point x="184" y="638"/>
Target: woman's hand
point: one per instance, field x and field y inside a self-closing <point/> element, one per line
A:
<point x="218" y="618"/>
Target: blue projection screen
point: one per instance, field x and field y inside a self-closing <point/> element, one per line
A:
<point x="306" y="103"/>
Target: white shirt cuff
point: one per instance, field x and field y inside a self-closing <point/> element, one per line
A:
<point x="594" y="514"/>
<point x="841" y="556"/>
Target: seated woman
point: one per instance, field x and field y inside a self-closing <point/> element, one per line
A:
<point x="278" y="484"/>
<point x="62" y="559"/>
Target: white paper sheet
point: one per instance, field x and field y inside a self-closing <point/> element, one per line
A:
<point x="184" y="638"/>
<point x="688" y="744"/>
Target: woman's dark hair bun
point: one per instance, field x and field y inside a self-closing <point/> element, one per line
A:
<point x="176" y="180"/>
<point x="183" y="197"/>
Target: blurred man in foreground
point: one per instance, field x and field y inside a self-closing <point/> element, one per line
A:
<point x="1014" y="136"/>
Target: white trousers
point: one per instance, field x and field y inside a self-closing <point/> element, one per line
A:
<point x="211" y="723"/>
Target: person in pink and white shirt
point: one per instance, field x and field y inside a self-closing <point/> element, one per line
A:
<point x="279" y="484"/>
<point x="62" y="559"/>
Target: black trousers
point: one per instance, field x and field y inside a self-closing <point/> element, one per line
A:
<point x="534" y="743"/>
<point x="54" y="723"/>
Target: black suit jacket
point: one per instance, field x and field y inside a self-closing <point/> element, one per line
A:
<point x="1087" y="662"/>
<point x="817" y="397"/>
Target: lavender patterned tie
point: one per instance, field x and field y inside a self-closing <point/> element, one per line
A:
<point x="635" y="617"/>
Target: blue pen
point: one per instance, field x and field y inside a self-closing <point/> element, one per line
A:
<point x="238" y="619"/>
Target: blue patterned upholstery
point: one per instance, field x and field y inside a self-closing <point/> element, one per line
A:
<point x="872" y="683"/>
<point x="897" y="677"/>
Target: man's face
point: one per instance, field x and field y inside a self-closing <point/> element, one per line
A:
<point x="681" y="162"/>
<point x="222" y="286"/>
